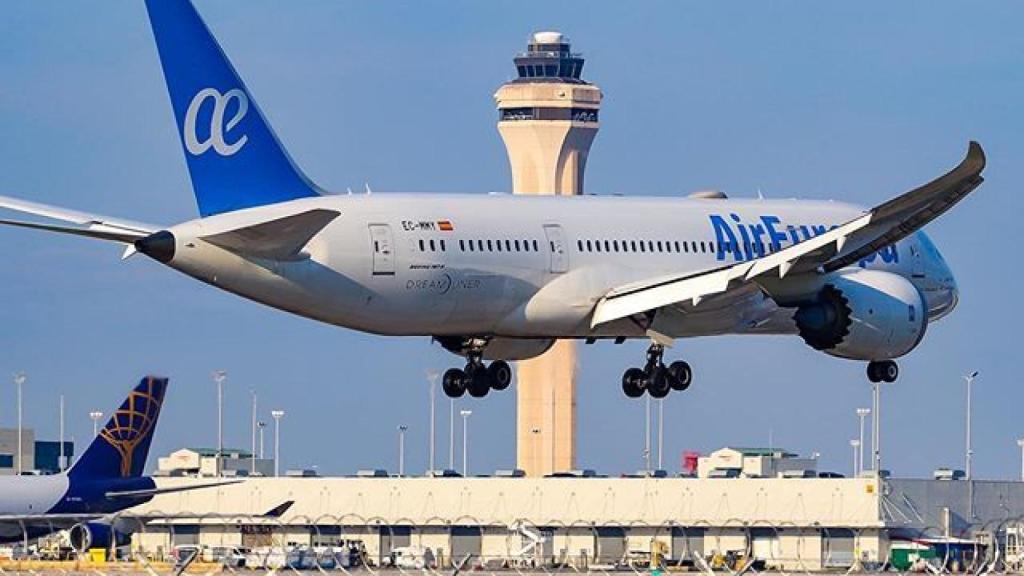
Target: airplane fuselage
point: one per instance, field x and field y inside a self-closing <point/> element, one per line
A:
<point x="524" y="266"/>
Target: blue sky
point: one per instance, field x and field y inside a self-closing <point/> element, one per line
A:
<point x="820" y="100"/>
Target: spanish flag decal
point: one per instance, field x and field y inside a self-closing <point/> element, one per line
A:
<point x="445" y="226"/>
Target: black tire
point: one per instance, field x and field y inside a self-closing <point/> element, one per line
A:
<point x="500" y="374"/>
<point x="889" y="371"/>
<point x="477" y="382"/>
<point x="874" y="374"/>
<point x="680" y="375"/>
<point x="454" y="383"/>
<point x="632" y="382"/>
<point x="658" y="385"/>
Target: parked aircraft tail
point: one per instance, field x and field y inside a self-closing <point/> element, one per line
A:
<point x="234" y="159"/>
<point x="121" y="447"/>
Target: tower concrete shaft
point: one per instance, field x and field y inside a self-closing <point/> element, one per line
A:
<point x="548" y="117"/>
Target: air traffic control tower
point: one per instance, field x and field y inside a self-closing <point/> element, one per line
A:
<point x="548" y="119"/>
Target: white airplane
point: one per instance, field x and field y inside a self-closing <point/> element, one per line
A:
<point x="494" y="277"/>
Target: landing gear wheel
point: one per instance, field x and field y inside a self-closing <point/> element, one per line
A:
<point x="500" y="374"/>
<point x="658" y="385"/>
<point x="680" y="375"/>
<point x="890" y="371"/>
<point x="477" y="382"/>
<point x="454" y="383"/>
<point x="883" y="371"/>
<point x="632" y="382"/>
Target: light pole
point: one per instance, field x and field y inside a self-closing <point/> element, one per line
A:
<point x="261" y="425"/>
<point x="1020" y="442"/>
<point x="647" y="434"/>
<point x="19" y="379"/>
<point x="856" y="444"/>
<point x="969" y="378"/>
<point x="451" y="433"/>
<point x="876" y="426"/>
<point x="465" y="441"/>
<point x="95" y="415"/>
<point x="252" y="458"/>
<point x="862" y="413"/>
<point x="219" y="376"/>
<point x="62" y="461"/>
<point x="277" y="415"/>
<point x="432" y="376"/>
<point x="661" y="432"/>
<point x="401" y="450"/>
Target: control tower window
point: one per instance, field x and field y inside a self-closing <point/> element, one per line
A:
<point x="550" y="71"/>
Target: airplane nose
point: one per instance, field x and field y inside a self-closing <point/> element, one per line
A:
<point x="158" y="246"/>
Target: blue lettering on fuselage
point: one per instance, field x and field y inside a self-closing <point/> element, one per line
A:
<point x="749" y="240"/>
<point x="889" y="255"/>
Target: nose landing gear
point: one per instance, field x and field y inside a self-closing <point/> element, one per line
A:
<point x="655" y="378"/>
<point x="476" y="378"/>
<point x="883" y="371"/>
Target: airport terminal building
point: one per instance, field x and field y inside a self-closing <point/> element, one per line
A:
<point x="589" y="522"/>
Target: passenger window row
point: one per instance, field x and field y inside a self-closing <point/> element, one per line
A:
<point x="645" y="246"/>
<point x="503" y="245"/>
<point x="669" y="246"/>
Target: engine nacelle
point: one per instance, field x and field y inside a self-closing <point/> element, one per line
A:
<point x="89" y="535"/>
<point x="500" y="348"/>
<point x="864" y="315"/>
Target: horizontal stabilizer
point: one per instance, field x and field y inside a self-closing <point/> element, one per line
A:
<point x="148" y="492"/>
<point x="281" y="239"/>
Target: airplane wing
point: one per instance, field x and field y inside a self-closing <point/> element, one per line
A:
<point x="835" y="249"/>
<point x="280" y="239"/>
<point x="89" y="225"/>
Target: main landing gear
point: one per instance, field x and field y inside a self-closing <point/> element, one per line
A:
<point x="883" y="371"/>
<point x="477" y="378"/>
<point x="655" y="378"/>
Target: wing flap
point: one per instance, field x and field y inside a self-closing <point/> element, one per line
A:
<point x="73" y="216"/>
<point x="280" y="239"/>
<point x="97" y="232"/>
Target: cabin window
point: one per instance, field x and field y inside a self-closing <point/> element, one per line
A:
<point x="490" y="246"/>
<point x="677" y="246"/>
<point x="422" y="247"/>
<point x="508" y="245"/>
<point x="535" y="249"/>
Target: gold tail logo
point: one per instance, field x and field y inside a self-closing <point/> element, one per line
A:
<point x="132" y="423"/>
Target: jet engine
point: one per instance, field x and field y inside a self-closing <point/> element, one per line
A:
<point x="97" y="535"/>
<point x="864" y="315"/>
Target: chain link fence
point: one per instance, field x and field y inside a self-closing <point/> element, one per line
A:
<point x="158" y="544"/>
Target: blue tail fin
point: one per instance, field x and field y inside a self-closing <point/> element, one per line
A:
<point x="121" y="448"/>
<point x="233" y="156"/>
